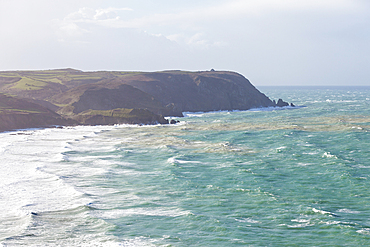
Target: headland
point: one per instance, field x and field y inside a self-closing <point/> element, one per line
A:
<point x="30" y="99"/>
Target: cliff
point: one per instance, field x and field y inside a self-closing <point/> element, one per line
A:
<point x="202" y="91"/>
<point x="119" y="116"/>
<point x="166" y="93"/>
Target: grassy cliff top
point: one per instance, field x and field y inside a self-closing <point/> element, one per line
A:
<point x="40" y="79"/>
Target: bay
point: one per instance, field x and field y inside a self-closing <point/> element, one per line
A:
<point x="293" y="176"/>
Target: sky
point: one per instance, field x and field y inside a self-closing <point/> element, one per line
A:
<point x="270" y="42"/>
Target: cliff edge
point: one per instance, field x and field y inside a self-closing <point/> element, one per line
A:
<point x="166" y="93"/>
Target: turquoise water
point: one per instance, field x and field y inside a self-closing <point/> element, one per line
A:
<point x="265" y="177"/>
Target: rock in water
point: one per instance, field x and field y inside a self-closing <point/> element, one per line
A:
<point x="282" y="103"/>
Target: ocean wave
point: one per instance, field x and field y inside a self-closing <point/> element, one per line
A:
<point x="348" y="211"/>
<point x="174" y="160"/>
<point x="302" y="223"/>
<point x="158" y="211"/>
<point x="248" y="220"/>
<point x="258" y="109"/>
<point x="226" y="176"/>
<point x="365" y="231"/>
<point x="27" y="186"/>
<point x="324" y="212"/>
<point x="329" y="155"/>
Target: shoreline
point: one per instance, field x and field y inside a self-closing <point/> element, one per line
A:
<point x="168" y="118"/>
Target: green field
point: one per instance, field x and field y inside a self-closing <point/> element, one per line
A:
<point x="29" y="84"/>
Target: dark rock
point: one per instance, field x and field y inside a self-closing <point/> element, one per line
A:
<point x="174" y="121"/>
<point x="282" y="103"/>
<point x="292" y="105"/>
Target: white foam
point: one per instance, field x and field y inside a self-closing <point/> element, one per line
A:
<point x="27" y="183"/>
<point x="13" y="222"/>
<point x="365" y="231"/>
<point x="273" y="108"/>
<point x="258" y="109"/>
<point x="362" y="166"/>
<point x="302" y="223"/>
<point x="329" y="155"/>
<point x="348" y="211"/>
<point x="248" y="220"/>
<point x="139" y="242"/>
<point x="323" y="212"/>
<point x="303" y="164"/>
<point x="173" y="160"/>
<point x="201" y="114"/>
<point x="159" y="211"/>
<point x="320" y="211"/>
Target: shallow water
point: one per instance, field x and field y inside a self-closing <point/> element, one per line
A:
<point x="264" y="177"/>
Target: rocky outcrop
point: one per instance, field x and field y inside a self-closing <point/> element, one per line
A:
<point x="282" y="103"/>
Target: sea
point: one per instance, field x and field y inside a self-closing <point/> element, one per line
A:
<point x="291" y="176"/>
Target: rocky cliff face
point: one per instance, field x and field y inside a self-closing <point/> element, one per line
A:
<point x="124" y="96"/>
<point x="171" y="93"/>
<point x="120" y="116"/>
<point x="202" y="91"/>
<point x="21" y="114"/>
<point x="31" y="120"/>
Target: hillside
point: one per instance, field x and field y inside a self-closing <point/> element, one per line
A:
<point x="166" y="93"/>
<point x="19" y="114"/>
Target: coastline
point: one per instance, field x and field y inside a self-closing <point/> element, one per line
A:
<point x="114" y="97"/>
<point x="169" y="119"/>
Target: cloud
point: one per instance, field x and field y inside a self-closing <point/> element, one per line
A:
<point x="109" y="13"/>
<point x="198" y="40"/>
<point x="237" y="9"/>
<point x="76" y="24"/>
<point x="86" y="14"/>
<point x="287" y="41"/>
<point x="109" y="17"/>
<point x="86" y="20"/>
<point x="190" y="26"/>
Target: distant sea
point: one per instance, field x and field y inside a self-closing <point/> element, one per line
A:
<point x="264" y="177"/>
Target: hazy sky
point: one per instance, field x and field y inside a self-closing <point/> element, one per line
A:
<point x="271" y="42"/>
